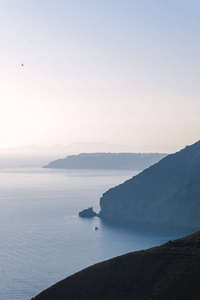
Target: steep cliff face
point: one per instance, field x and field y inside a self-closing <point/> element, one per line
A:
<point x="167" y="193"/>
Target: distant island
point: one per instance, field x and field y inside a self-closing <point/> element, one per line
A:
<point x="110" y="161"/>
<point x="167" y="193"/>
<point x="167" y="272"/>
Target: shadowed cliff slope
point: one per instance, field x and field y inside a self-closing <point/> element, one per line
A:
<point x="167" y="193"/>
<point x="170" y="271"/>
<point x="112" y="161"/>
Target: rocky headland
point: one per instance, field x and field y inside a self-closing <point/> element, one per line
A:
<point x="167" y="193"/>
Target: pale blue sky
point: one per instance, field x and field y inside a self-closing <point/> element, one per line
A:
<point x="116" y="71"/>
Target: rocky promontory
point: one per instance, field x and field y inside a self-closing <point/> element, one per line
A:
<point x="167" y="193"/>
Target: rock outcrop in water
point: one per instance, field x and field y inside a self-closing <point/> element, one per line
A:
<point x="87" y="213"/>
<point x="167" y="193"/>
<point x="167" y="272"/>
<point x="109" y="161"/>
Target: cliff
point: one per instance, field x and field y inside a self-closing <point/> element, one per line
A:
<point x="170" y="271"/>
<point x="167" y="193"/>
<point x="112" y="161"/>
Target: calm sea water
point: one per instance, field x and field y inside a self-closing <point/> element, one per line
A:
<point x="42" y="239"/>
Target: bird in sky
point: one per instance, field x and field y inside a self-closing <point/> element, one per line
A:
<point x="22" y="65"/>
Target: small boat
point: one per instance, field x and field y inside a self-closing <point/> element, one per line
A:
<point x="95" y="228"/>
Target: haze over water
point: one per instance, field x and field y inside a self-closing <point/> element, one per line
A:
<point x="116" y="71"/>
<point x="42" y="238"/>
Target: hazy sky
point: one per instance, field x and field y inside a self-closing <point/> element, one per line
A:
<point x="119" y="71"/>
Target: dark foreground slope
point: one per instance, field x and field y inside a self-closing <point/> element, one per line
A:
<point x="170" y="271"/>
<point x="167" y="193"/>
<point x="110" y="161"/>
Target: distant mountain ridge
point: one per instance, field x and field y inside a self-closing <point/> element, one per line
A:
<point x="167" y="193"/>
<point x="112" y="161"/>
<point x="86" y="147"/>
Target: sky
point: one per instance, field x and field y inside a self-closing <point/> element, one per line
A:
<point x="115" y="71"/>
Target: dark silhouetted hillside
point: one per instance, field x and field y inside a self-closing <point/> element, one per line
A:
<point x="167" y="272"/>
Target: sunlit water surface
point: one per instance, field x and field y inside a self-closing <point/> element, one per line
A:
<point x="42" y="238"/>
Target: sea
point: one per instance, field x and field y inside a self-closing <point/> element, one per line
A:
<point x="42" y="238"/>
